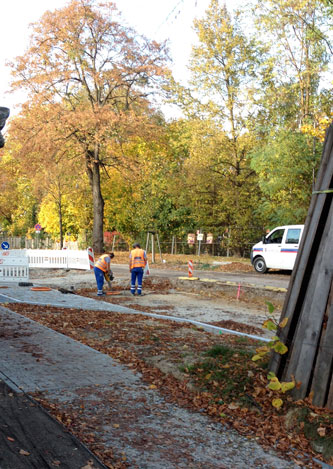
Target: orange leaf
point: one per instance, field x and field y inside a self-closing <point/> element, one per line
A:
<point x="298" y="384"/>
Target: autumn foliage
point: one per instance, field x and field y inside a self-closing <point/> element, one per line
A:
<point x="99" y="154"/>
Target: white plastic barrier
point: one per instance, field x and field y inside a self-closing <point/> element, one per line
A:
<point x="14" y="266"/>
<point x="65" y="259"/>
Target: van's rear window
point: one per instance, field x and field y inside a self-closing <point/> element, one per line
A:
<point x="293" y="236"/>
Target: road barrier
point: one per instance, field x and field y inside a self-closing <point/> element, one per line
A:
<point x="15" y="263"/>
<point x="14" y="266"/>
<point x="64" y="259"/>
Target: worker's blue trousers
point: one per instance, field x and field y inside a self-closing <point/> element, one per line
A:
<point x="99" y="274"/>
<point x="136" y="275"/>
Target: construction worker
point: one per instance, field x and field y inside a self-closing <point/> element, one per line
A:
<point x="137" y="262"/>
<point x="102" y="269"/>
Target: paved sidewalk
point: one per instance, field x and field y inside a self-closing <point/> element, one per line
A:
<point x="137" y="421"/>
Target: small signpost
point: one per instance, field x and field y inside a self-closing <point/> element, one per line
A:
<point x="5" y="245"/>
<point x="209" y="238"/>
<point x="199" y="238"/>
<point x="191" y="238"/>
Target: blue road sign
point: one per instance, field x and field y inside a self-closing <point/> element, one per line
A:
<point x="5" y="245"/>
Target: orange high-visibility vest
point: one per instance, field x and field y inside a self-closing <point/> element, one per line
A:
<point x="102" y="263"/>
<point x="137" y="258"/>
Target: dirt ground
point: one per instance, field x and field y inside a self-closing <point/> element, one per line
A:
<point x="236" y="310"/>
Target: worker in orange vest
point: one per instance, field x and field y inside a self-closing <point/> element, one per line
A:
<point x="102" y="270"/>
<point x="137" y="263"/>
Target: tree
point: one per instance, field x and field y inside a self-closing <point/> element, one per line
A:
<point x="223" y="70"/>
<point x="291" y="102"/>
<point x="55" y="173"/>
<point x="150" y="195"/>
<point x="296" y="32"/>
<point x="285" y="167"/>
<point x="58" y="184"/>
<point x="18" y="204"/>
<point x="92" y="77"/>
<point x="220" y="199"/>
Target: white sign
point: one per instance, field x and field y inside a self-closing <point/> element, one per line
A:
<point x="200" y="236"/>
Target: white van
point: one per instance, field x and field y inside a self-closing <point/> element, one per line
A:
<point x="278" y="249"/>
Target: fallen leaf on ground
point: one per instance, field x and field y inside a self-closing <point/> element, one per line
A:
<point x="24" y="453"/>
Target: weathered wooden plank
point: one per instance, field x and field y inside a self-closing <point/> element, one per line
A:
<point x="305" y="259"/>
<point x="324" y="360"/>
<point x="329" y="403"/>
<point x="307" y="335"/>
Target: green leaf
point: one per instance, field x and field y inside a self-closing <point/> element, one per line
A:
<point x="271" y="375"/>
<point x="280" y="348"/>
<point x="274" y="385"/>
<point x="271" y="307"/>
<point x="277" y="403"/>
<point x="270" y="325"/>
<point x="287" y="386"/>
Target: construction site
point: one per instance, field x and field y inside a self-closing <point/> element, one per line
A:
<point x="162" y="380"/>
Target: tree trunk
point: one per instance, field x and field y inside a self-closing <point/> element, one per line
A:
<point x="93" y="171"/>
<point x="60" y="224"/>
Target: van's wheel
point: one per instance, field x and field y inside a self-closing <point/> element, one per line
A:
<point x="260" y="265"/>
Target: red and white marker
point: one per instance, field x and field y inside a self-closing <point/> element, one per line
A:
<point x="190" y="268"/>
<point x="91" y="258"/>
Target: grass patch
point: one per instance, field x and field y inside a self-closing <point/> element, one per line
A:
<point x="246" y="341"/>
<point x="223" y="372"/>
<point x="205" y="266"/>
<point x="220" y="350"/>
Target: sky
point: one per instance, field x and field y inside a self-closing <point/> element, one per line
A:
<point x="160" y="20"/>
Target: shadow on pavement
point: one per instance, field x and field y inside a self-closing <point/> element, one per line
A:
<point x="31" y="438"/>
